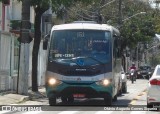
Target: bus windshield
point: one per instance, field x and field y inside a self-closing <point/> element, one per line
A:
<point x="67" y="45"/>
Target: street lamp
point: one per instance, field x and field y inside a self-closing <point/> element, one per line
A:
<point x="124" y="20"/>
<point x="107" y="4"/>
<point x="133" y="16"/>
<point x="120" y="24"/>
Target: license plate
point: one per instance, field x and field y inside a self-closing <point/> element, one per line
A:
<point x="79" y="95"/>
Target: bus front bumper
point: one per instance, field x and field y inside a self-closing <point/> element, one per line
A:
<point x="88" y="90"/>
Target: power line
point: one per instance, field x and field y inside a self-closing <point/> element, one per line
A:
<point x="76" y="13"/>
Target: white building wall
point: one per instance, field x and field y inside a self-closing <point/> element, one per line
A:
<point x="41" y="68"/>
<point x="13" y="12"/>
<point x="32" y="15"/>
<point x="16" y="10"/>
<point x="0" y="16"/>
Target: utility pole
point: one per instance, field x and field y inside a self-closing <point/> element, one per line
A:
<point x="22" y="84"/>
<point x="125" y="57"/>
<point x="137" y="53"/>
<point x="120" y="13"/>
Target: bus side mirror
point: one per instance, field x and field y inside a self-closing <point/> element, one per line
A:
<point x="115" y="35"/>
<point x="45" y="42"/>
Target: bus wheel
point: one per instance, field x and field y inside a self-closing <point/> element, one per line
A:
<point x="120" y="92"/>
<point x="149" y="106"/>
<point x="124" y="89"/>
<point x="108" y="101"/>
<point x="52" y="101"/>
<point x="115" y="98"/>
<point x="64" y="99"/>
<point x="70" y="99"/>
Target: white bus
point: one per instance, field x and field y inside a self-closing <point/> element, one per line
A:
<point x="83" y="61"/>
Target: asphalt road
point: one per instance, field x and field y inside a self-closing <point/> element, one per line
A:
<point x="132" y="102"/>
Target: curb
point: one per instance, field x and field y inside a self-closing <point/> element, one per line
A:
<point x="10" y="97"/>
<point x="36" y="95"/>
<point x="25" y="98"/>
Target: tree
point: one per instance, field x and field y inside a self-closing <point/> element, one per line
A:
<point x="40" y="6"/>
<point x="136" y="29"/>
<point x="22" y="85"/>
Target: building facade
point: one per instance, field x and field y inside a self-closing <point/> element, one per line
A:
<point x="10" y="18"/>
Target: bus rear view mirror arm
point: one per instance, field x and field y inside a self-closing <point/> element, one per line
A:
<point x="45" y="42"/>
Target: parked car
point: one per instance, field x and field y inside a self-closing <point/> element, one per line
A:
<point x="144" y="72"/>
<point x="153" y="93"/>
<point x="124" y="81"/>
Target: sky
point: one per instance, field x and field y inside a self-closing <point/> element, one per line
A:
<point x="153" y="4"/>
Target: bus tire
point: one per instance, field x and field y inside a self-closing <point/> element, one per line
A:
<point x="52" y="101"/>
<point x="70" y="99"/>
<point x="64" y="99"/>
<point x="115" y="98"/>
<point x="108" y="101"/>
<point x="149" y="105"/>
<point x="120" y="92"/>
<point x="124" y="89"/>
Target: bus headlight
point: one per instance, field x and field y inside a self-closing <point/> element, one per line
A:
<point x="104" y="82"/>
<point x="53" y="81"/>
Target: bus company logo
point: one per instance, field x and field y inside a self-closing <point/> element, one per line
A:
<point x="78" y="79"/>
<point x="80" y="62"/>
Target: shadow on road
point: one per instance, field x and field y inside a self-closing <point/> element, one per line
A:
<point x="87" y="105"/>
<point x="94" y="102"/>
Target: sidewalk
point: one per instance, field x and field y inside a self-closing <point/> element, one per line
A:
<point x="13" y="98"/>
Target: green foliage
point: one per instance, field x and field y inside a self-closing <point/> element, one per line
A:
<point x="15" y="24"/>
<point x="156" y="16"/>
<point x="140" y="28"/>
<point x="56" y="4"/>
<point x="154" y="60"/>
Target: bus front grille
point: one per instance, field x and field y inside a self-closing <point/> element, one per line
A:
<point x="79" y="73"/>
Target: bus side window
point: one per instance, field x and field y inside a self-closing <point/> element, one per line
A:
<point x="118" y="47"/>
<point x="45" y="41"/>
<point x="115" y="51"/>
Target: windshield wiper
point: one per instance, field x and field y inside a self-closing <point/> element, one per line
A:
<point x="90" y="58"/>
<point x="84" y="57"/>
<point x="75" y="62"/>
<point x="95" y="60"/>
<point x="69" y="60"/>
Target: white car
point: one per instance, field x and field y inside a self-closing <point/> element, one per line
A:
<point x="153" y="93"/>
<point x="124" y="80"/>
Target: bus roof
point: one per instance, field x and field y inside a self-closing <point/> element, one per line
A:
<point x="83" y="25"/>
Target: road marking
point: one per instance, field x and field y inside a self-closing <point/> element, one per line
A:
<point x="3" y="112"/>
<point x="137" y="97"/>
<point x="102" y="112"/>
<point x="32" y="112"/>
<point x="68" y="112"/>
<point x="138" y="112"/>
